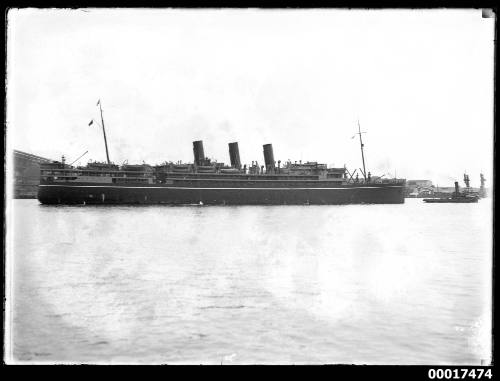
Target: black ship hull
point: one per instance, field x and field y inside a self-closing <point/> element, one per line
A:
<point x="463" y="200"/>
<point x="221" y="194"/>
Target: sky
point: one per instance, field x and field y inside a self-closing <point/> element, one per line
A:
<point x="420" y="82"/>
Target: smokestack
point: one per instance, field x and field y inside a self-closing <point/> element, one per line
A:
<point x="456" y="188"/>
<point x="199" y="154"/>
<point x="269" y="157"/>
<point x="234" y="155"/>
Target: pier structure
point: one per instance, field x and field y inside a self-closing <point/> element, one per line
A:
<point x="27" y="174"/>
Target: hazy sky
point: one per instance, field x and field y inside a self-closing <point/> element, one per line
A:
<point x="420" y="82"/>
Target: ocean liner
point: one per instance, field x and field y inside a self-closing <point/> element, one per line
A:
<point x="205" y="182"/>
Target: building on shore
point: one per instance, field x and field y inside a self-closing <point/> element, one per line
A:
<point x="419" y="188"/>
<point x="27" y="174"/>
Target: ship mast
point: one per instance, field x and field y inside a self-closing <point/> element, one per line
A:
<point x="104" y="132"/>
<point x="362" y="153"/>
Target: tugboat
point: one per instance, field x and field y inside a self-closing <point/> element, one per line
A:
<point x="457" y="197"/>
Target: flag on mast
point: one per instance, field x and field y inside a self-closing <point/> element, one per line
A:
<point x="91" y="122"/>
<point x="98" y="102"/>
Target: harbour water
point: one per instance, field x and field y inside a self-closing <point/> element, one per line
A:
<point x="355" y="284"/>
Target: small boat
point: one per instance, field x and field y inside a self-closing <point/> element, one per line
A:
<point x="463" y="199"/>
<point x="456" y="197"/>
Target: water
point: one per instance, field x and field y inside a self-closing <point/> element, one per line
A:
<point x="363" y="284"/>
